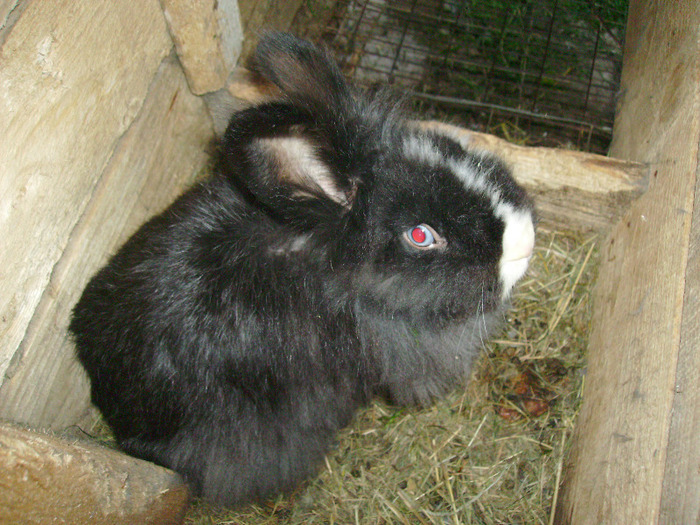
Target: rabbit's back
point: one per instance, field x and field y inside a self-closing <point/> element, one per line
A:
<point x="208" y="345"/>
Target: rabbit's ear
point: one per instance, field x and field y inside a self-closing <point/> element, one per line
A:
<point x="268" y="152"/>
<point x="307" y="75"/>
<point x="297" y="165"/>
<point x="289" y="178"/>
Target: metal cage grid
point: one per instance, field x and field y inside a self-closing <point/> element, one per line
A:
<point x="545" y="72"/>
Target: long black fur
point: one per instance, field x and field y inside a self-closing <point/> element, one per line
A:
<point x="234" y="334"/>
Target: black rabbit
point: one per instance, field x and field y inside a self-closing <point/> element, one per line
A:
<point x="338" y="253"/>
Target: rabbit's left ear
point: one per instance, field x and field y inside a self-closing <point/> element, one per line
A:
<point x="268" y="153"/>
<point x="300" y="170"/>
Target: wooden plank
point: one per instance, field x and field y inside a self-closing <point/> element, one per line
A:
<point x="73" y="76"/>
<point x="161" y="153"/>
<point x="680" y="497"/>
<point x="264" y="15"/>
<point x="208" y="38"/>
<point x="633" y="459"/>
<point x="46" y="479"/>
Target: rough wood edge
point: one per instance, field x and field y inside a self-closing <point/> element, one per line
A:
<point x="680" y="496"/>
<point x="45" y="478"/>
<point x="633" y="460"/>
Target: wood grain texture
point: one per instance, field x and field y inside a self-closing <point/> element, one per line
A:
<point x="47" y="479"/>
<point x="69" y="88"/>
<point x="208" y="38"/>
<point x="680" y="497"/>
<point x="264" y="15"/>
<point x="634" y="457"/>
<point x="160" y="154"/>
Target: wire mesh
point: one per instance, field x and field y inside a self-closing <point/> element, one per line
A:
<point x="544" y="72"/>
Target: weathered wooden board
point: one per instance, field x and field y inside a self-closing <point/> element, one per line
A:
<point x="9" y="13"/>
<point x="63" y="107"/>
<point x="208" y="38"/>
<point x="263" y="15"/>
<point x="680" y="496"/>
<point x="46" y="479"/>
<point x="636" y="450"/>
<point x="159" y="155"/>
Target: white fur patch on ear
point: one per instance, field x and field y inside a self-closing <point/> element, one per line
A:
<point x="299" y="164"/>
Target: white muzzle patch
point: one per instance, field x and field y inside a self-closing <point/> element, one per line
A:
<point x="518" y="244"/>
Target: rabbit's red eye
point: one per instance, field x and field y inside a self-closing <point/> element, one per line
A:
<point x="420" y="236"/>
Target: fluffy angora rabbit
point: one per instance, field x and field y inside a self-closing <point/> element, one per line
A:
<point x="338" y="253"/>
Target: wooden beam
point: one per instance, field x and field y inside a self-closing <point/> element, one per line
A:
<point x="208" y="38"/>
<point x="635" y="456"/>
<point x="680" y="496"/>
<point x="47" y="479"/>
<point x="69" y="89"/>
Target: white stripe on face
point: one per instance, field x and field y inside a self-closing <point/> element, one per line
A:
<point x="519" y="231"/>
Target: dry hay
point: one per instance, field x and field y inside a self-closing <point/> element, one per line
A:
<point x="489" y="454"/>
